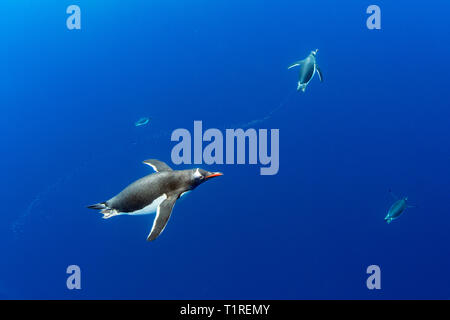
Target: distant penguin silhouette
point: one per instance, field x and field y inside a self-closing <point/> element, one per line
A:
<point x="308" y="68"/>
<point x="156" y="192"/>
<point x="396" y="210"/>
<point x="142" y="122"/>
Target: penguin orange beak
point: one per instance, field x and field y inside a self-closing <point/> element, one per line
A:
<point x="214" y="174"/>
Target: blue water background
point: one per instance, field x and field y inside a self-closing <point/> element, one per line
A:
<point x="380" y="121"/>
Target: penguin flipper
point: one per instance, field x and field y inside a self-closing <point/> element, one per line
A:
<point x="162" y="217"/>
<point x="319" y="72"/>
<point x="157" y="165"/>
<point x="295" y="64"/>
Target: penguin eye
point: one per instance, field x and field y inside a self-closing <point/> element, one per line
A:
<point x="198" y="175"/>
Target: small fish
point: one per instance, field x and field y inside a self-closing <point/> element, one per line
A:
<point x="142" y="122"/>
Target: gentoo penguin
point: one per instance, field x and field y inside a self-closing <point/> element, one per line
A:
<point x="397" y="209"/>
<point x="156" y="192"/>
<point x="308" y="68"/>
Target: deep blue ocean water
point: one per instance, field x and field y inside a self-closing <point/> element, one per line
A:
<point x="379" y="121"/>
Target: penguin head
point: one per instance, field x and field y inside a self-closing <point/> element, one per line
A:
<point x="199" y="176"/>
<point x="314" y="52"/>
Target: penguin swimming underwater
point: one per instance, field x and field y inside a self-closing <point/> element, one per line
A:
<point x="397" y="209"/>
<point x="308" y="68"/>
<point x="142" y="122"/>
<point x="156" y="192"/>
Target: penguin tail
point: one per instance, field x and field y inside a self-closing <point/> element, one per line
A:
<point x="301" y="87"/>
<point x="104" y="209"/>
<point x="98" y="206"/>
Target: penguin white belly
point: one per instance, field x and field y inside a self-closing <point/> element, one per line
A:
<point x="149" y="209"/>
<point x="302" y="86"/>
<point x="185" y="193"/>
<point x="312" y="76"/>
